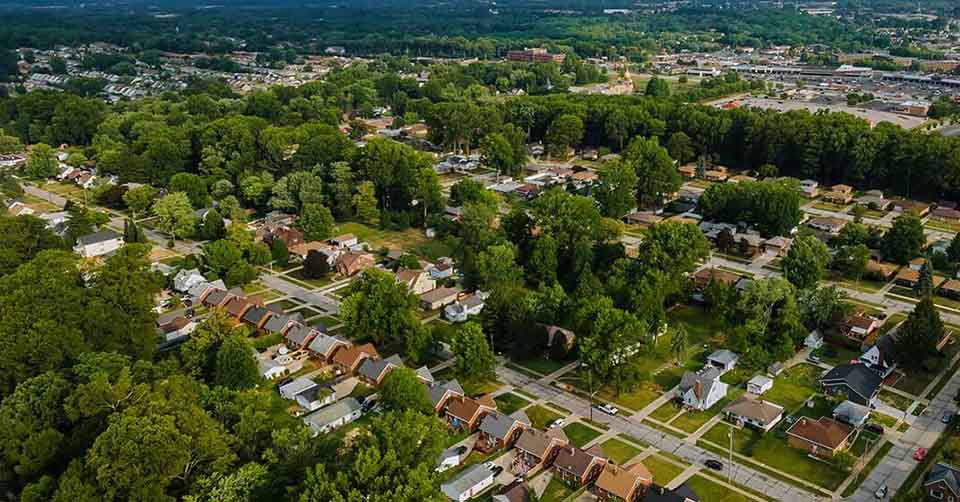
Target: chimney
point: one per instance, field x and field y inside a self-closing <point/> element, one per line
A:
<point x="698" y="389"/>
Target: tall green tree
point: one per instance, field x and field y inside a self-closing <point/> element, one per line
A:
<point x="616" y="193"/>
<point x="379" y="308"/>
<point x="403" y="390"/>
<point x="655" y="172"/>
<point x="236" y="367"/>
<point x="918" y="336"/>
<point x="175" y="215"/>
<point x="565" y="132"/>
<point x="904" y="240"/>
<point x="805" y="262"/>
<point x="42" y="162"/>
<point x="475" y="361"/>
<point x="316" y="221"/>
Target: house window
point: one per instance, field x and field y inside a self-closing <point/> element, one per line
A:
<point x="936" y="494"/>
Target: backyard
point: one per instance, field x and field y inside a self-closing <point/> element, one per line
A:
<point x="794" y="386"/>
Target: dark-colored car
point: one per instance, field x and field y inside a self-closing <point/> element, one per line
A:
<point x="714" y="464"/>
<point x="874" y="428"/>
<point x="497" y="470"/>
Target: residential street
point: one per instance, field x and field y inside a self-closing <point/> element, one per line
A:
<point x="661" y="440"/>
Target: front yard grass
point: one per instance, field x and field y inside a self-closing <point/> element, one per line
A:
<point x="662" y="470"/>
<point x="540" y="417"/>
<point x="896" y="400"/>
<point x="509" y="402"/>
<point x="714" y="492"/>
<point x="666" y="412"/>
<point x="692" y="421"/>
<point x="379" y="238"/>
<point x="618" y="451"/>
<point x="315" y="283"/>
<point x="580" y="434"/>
<point x="774" y="452"/>
<point x="543" y="365"/>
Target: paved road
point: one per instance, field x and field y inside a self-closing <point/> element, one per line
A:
<point x="324" y="303"/>
<point x="898" y="463"/>
<point x="45" y="195"/>
<point x="665" y="442"/>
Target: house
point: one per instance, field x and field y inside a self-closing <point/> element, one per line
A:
<point x="907" y="277"/>
<point x="468" y="483"/>
<point x="18" y="208"/>
<point x="917" y="263"/>
<point x="175" y="330"/>
<point x="622" y="484"/>
<point x="98" y="243"/>
<point x="945" y="214"/>
<point x="906" y="205"/>
<point x="423" y="373"/>
<point x="873" y="199"/>
<point x="746" y="410"/>
<point x="289" y="235"/>
<point x="350" y="358"/>
<point x="217" y="298"/>
<point x="880" y="271"/>
<point x="439" y="393"/>
<point x="197" y="294"/>
<point x="466" y="412"/>
<point x="682" y="493"/>
<point x="777" y="246"/>
<point x="354" y="262"/>
<point x="448" y="459"/>
<point x="499" y="430"/>
<point x="851" y="414"/>
<point x="438" y="298"/>
<point x="443" y="269"/>
<point x="701" y="390"/>
<point x="578" y="467"/>
<point x="703" y="277"/>
<point x="238" y="306"/>
<point x="292" y="389"/>
<point x="824" y="437"/>
<point x="461" y="310"/>
<point x="315" y="398"/>
<point x="537" y="448"/>
<point x="881" y="356"/>
<point x="186" y="279"/>
<point x="323" y="347"/>
<point x="271" y="370"/>
<point x="942" y="483"/>
<point x="723" y="360"/>
<point x="950" y="289"/>
<point x="299" y="336"/>
<point x="345" y="241"/>
<point x="688" y="171"/>
<point x="718" y="174"/>
<point x="839" y="194"/>
<point x="809" y="188"/>
<point x="759" y="384"/>
<point x="558" y="334"/>
<point x="373" y="371"/>
<point x="416" y="281"/>
<point x="857" y="382"/>
<point x="517" y="491"/>
<point x="827" y="224"/>
<point x="257" y="317"/>
<point x="336" y="415"/>
<point x="643" y="218"/>
<point x="813" y="341"/>
<point x="775" y="369"/>
<point x="331" y="253"/>
<point x="858" y="326"/>
<point x="279" y="323"/>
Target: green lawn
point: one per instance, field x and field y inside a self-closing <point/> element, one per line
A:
<point x="316" y="283"/>
<point x="556" y="491"/>
<point x="882" y="419"/>
<point x="794" y="386"/>
<point x="666" y="412"/>
<point x="662" y="470"/>
<point x="915" y="382"/>
<point x="860" y="446"/>
<point x="543" y="365"/>
<point x="714" y="492"/>
<point x="896" y="400"/>
<point x="829" y="206"/>
<point x="540" y="417"/>
<point x="774" y="452"/>
<point x="618" y="451"/>
<point x="509" y="402"/>
<point x="865" y="472"/>
<point x="580" y="434"/>
<point x="692" y="421"/>
<point x="380" y="238"/>
<point x="471" y="388"/>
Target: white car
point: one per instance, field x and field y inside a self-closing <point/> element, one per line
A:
<point x="557" y="423"/>
<point x="608" y="409"/>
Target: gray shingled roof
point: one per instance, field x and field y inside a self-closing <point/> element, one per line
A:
<point x="947" y="473"/>
<point x="276" y="323"/>
<point x="372" y="369"/>
<point x="858" y="377"/>
<point x="424" y="373"/>
<point x="101" y="236"/>
<point x="497" y="424"/>
<point x="723" y="356"/>
<point x="255" y="315"/>
<point x="469" y="478"/>
<point x="298" y="334"/>
<point x="216" y="297"/>
<point x="437" y="390"/>
<point x="323" y="343"/>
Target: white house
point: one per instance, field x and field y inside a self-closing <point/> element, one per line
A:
<point x="468" y="484"/>
<point x="315" y="398"/>
<point x="98" y="243"/>
<point x="723" y="360"/>
<point x="417" y="281"/>
<point x="759" y="384"/>
<point x="813" y="341"/>
<point x="271" y="370"/>
<point x="703" y="389"/>
<point x="746" y="410"/>
<point x="186" y="279"/>
<point x="880" y="357"/>
<point x="336" y="415"/>
<point x="292" y="389"/>
<point x="449" y="459"/>
<point x="851" y="413"/>
<point x="345" y="241"/>
<point x="460" y="311"/>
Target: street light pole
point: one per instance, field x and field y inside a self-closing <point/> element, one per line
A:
<point x="730" y="467"/>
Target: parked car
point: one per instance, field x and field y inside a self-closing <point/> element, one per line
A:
<point x="874" y="428"/>
<point x="881" y="492"/>
<point x="714" y="464"/>
<point x="813" y="358"/>
<point x="461" y="450"/>
<point x="557" y="423"/>
<point x="920" y="454"/>
<point x="497" y="470"/>
<point x="608" y="409"/>
<point x="947" y="417"/>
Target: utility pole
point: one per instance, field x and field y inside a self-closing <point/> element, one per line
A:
<point x="730" y="466"/>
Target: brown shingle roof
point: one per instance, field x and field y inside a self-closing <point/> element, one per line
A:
<point x="825" y="432"/>
<point x="621" y="481"/>
<point x="467" y="408"/>
<point x="349" y="357"/>
<point x="537" y="443"/>
<point x="755" y="409"/>
<point x="575" y="460"/>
